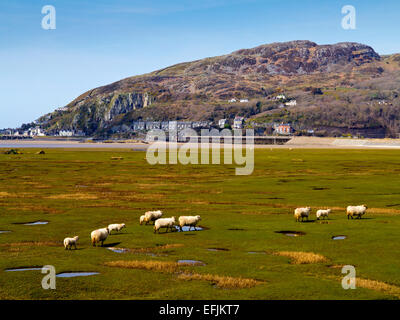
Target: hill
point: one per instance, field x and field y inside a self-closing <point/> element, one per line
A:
<point x="338" y="88"/>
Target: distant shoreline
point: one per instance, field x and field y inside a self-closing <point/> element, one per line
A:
<point x="295" y="143"/>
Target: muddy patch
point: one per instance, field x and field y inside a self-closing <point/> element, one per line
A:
<point x="76" y="274"/>
<point x="320" y="188"/>
<point x="323" y="222"/>
<point x="191" y="262"/>
<point x="24" y="269"/>
<point x="292" y="233"/>
<point x="236" y="229"/>
<point x="340" y="237"/>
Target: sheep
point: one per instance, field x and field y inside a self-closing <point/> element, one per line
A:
<point x="152" y="216"/>
<point x="323" y="213"/>
<point x="141" y="220"/>
<point x="302" y="213"/>
<point x="99" y="235"/>
<point x="116" y="227"/>
<point x="190" y="221"/>
<point x="164" y="223"/>
<point x="69" y="242"/>
<point x="357" y="211"/>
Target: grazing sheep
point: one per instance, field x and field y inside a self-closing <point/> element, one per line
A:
<point x="99" y="235"/>
<point x="323" y="213"/>
<point x="302" y="213"/>
<point x="356" y="211"/>
<point x="116" y="227"/>
<point x="152" y="216"/>
<point x="190" y="221"/>
<point x="69" y="242"/>
<point x="164" y="223"/>
<point x="141" y="220"/>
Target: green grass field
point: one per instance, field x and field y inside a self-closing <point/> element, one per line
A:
<point x="78" y="191"/>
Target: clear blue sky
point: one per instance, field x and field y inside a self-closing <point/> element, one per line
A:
<point x="98" y="42"/>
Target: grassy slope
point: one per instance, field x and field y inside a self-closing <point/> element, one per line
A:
<point x="79" y="191"/>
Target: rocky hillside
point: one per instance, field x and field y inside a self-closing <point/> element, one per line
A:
<point x="340" y="87"/>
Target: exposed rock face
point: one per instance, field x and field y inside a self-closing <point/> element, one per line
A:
<point x="301" y="57"/>
<point x="123" y="103"/>
<point x="243" y="73"/>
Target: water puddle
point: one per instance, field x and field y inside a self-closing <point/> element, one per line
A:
<point x="34" y="223"/>
<point x="118" y="250"/>
<point x="4" y="231"/>
<point x="192" y="262"/>
<point x="217" y="249"/>
<point x="24" y="269"/>
<point x="75" y="274"/>
<point x="292" y="233"/>
<point x="339" y="237"/>
<point x="256" y="252"/>
<point x="186" y="229"/>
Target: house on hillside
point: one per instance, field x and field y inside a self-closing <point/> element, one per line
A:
<point x="222" y="123"/>
<point x="244" y="100"/>
<point x="232" y="100"/>
<point x="291" y="103"/>
<point x="284" y="129"/>
<point x="238" y="123"/>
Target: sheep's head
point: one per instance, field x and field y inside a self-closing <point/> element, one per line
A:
<point x="198" y="217"/>
<point x="76" y="238"/>
<point x="123" y="225"/>
<point x="329" y="210"/>
<point x="365" y="206"/>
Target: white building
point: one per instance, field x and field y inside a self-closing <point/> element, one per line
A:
<point x="291" y="103"/>
<point x="232" y="100"/>
<point x="222" y="123"/>
<point x="280" y="97"/>
<point x="66" y="133"/>
<point x="244" y="100"/>
<point x="238" y="123"/>
<point x="34" y="132"/>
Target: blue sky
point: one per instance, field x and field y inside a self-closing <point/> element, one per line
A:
<point x="99" y="42"/>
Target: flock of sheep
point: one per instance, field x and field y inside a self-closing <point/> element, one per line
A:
<point x="155" y="216"/>
<point x="100" y="235"/>
<point x="351" y="211"/>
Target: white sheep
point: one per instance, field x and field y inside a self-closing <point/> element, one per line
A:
<point x="99" y="235"/>
<point x="69" y="242"/>
<point x="164" y="223"/>
<point x="356" y="211"/>
<point x="152" y="216"/>
<point x="190" y="221"/>
<point x="302" y="213"/>
<point x="116" y="227"/>
<point x="141" y="220"/>
<point x="323" y="213"/>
